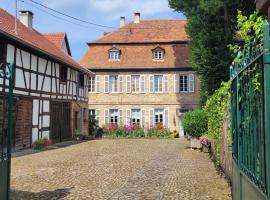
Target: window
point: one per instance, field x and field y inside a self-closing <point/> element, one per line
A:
<point x="63" y="74"/>
<point x="159" y="116"/>
<point x="113" y="116"/>
<point x="183" y="83"/>
<point x="94" y="114"/>
<point x="114" y="55"/>
<point x="113" y="84"/>
<point x="92" y="84"/>
<point x="81" y="80"/>
<point x="135" y="83"/>
<point x="158" y="83"/>
<point x="158" y="54"/>
<point x="136" y="116"/>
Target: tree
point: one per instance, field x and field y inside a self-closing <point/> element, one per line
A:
<point x="211" y="28"/>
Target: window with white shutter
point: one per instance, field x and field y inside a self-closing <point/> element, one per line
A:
<point x="106" y="84"/>
<point x="97" y="83"/>
<point x="166" y="121"/>
<point x="176" y="81"/>
<point x="120" y="84"/>
<point x="128" y="117"/>
<point x="120" y="122"/>
<point x="191" y="83"/>
<point x="165" y="83"/>
<point x="106" y="117"/>
<point x="143" y="118"/>
<point x="142" y="83"/>
<point x="151" y="84"/>
<point x="128" y="82"/>
<point x="151" y="116"/>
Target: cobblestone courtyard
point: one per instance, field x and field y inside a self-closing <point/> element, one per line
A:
<point x="118" y="169"/>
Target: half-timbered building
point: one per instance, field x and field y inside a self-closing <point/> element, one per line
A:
<point x="50" y="88"/>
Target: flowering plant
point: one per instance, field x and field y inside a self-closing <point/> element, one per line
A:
<point x="205" y="142"/>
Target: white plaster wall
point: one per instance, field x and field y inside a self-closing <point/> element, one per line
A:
<point x="19" y="82"/>
<point x="18" y="58"/>
<point x="46" y="121"/>
<point x="33" y="81"/>
<point x="35" y="112"/>
<point x="34" y="63"/>
<point x="41" y="65"/>
<point x="34" y="134"/>
<point x="26" y="59"/>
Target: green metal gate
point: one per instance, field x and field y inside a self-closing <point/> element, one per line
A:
<point x="6" y="133"/>
<point x="250" y="121"/>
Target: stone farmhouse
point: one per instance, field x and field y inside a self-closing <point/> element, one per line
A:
<point x="142" y="74"/>
<point x="50" y="88"/>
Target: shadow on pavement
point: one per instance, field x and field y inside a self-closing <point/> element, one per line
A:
<point x="44" y="195"/>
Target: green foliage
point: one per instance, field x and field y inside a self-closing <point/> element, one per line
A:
<point x="211" y="28"/>
<point x="134" y="131"/>
<point x="195" y="123"/>
<point x="250" y="29"/>
<point x="41" y="143"/>
<point x="215" y="108"/>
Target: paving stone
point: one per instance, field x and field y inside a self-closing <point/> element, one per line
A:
<point x="137" y="169"/>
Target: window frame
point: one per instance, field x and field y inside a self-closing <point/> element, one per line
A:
<point x="136" y="118"/>
<point x="81" y="81"/>
<point x="160" y="89"/>
<point x="114" y="55"/>
<point x="63" y="74"/>
<point x="92" y="84"/>
<point x="185" y="84"/>
<point x="136" y="83"/>
<point x="158" y="54"/>
<point x="114" y="116"/>
<point x="160" y="113"/>
<point x="115" y="84"/>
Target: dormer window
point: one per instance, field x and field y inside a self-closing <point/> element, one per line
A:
<point x="114" y="54"/>
<point x="158" y="54"/>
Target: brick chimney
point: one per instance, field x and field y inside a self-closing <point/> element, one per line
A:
<point x="122" y="21"/>
<point x="26" y="17"/>
<point x="137" y="17"/>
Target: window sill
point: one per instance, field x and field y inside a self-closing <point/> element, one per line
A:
<point x="157" y="60"/>
<point x="114" y="60"/>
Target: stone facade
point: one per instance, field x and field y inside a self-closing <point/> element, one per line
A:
<point x="171" y="100"/>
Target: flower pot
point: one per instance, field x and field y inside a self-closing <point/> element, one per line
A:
<point x="195" y="143"/>
<point x="206" y="149"/>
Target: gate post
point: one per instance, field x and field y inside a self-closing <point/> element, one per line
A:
<point x="266" y="62"/>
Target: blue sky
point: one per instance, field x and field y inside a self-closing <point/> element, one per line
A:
<point x="105" y="12"/>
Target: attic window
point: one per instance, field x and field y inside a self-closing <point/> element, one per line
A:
<point x="114" y="55"/>
<point x="158" y="54"/>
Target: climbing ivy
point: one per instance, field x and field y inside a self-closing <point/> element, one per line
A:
<point x="215" y="108"/>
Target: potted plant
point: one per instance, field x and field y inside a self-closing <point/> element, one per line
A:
<point x="206" y="144"/>
<point x="195" y="124"/>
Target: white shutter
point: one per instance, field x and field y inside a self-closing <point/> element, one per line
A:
<point x="151" y="113"/>
<point x="166" y="118"/>
<point x="143" y="123"/>
<point x="151" y="84"/>
<point x="97" y="84"/>
<point x="128" y="79"/>
<point x="165" y="84"/>
<point x="176" y="83"/>
<point x="97" y="117"/>
<point x="120" y="88"/>
<point x="120" y="114"/>
<point x="191" y="83"/>
<point x="142" y="82"/>
<point x="128" y="117"/>
<point x="106" y="116"/>
<point x="106" y="84"/>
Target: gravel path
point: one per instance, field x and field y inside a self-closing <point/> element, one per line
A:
<point x="118" y="169"/>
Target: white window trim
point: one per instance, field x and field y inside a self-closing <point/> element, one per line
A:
<point x="137" y="92"/>
<point x="188" y="83"/>
<point x="114" y="51"/>
<point x="159" y="92"/>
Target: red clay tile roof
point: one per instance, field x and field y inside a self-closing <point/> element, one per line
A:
<point x="147" y="31"/>
<point x="56" y="38"/>
<point x="34" y="39"/>
<point x="136" y="42"/>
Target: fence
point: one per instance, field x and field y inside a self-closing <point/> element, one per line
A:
<point x="250" y="125"/>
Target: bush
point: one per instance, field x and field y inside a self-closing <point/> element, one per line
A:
<point x="41" y="143"/>
<point x="215" y="108"/>
<point x="195" y="123"/>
